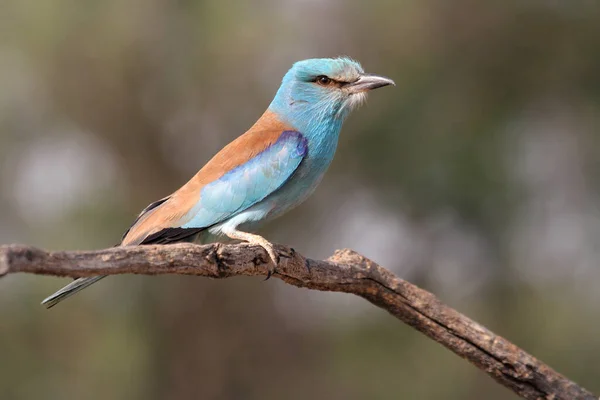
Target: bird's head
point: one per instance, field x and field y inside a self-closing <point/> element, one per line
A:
<point x="321" y="92"/>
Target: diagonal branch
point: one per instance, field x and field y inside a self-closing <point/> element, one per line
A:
<point x="345" y="271"/>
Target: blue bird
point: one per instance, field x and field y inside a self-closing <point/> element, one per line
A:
<point x="265" y="172"/>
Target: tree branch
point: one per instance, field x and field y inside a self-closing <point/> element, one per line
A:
<point x="345" y="271"/>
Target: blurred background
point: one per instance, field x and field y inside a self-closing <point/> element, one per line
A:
<point x="477" y="178"/>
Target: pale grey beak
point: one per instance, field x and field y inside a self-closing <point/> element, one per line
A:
<point x="368" y="82"/>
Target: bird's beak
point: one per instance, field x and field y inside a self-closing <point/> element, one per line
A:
<point x="368" y="82"/>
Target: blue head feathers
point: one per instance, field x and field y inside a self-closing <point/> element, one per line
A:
<point x="316" y="95"/>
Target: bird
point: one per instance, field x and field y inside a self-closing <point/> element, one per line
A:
<point x="271" y="168"/>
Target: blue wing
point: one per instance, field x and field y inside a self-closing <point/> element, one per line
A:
<point x="248" y="183"/>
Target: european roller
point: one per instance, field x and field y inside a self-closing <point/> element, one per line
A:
<point x="263" y="173"/>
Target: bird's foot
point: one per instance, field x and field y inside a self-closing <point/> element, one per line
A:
<point x="276" y="257"/>
<point x="273" y="255"/>
<point x="257" y="241"/>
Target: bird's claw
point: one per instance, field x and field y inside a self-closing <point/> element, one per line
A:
<point x="269" y="273"/>
<point x="274" y="256"/>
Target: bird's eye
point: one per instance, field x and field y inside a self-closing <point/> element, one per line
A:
<point x="323" y="80"/>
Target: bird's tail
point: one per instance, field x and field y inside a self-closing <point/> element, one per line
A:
<point x="70" y="290"/>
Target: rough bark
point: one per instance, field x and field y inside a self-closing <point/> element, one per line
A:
<point x="345" y="271"/>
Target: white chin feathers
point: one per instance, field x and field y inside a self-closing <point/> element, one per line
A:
<point x="353" y="101"/>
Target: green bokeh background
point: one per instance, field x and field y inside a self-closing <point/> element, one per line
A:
<point x="477" y="178"/>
